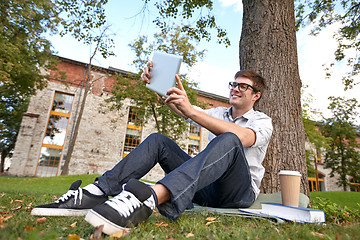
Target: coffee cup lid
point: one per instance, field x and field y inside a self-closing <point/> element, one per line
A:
<point x="289" y="172"/>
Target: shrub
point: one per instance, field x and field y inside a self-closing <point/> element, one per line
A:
<point x="334" y="213"/>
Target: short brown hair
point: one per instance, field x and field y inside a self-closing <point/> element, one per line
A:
<point x="259" y="83"/>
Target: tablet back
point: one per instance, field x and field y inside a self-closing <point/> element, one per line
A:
<point x="165" y="66"/>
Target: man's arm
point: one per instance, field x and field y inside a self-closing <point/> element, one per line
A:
<point x="180" y="104"/>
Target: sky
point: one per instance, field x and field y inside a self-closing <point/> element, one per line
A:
<point x="220" y="63"/>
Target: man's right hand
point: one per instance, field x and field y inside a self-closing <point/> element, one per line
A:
<point x="145" y="76"/>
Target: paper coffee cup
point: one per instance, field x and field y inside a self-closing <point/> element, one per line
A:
<point x="290" y="187"/>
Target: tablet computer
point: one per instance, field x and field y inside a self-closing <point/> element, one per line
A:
<point x="165" y="66"/>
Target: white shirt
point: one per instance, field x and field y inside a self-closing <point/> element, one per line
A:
<point x="261" y="124"/>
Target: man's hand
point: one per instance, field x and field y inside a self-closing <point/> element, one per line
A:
<point x="178" y="100"/>
<point x="145" y="76"/>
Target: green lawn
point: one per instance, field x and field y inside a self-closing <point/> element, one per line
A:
<point x="349" y="199"/>
<point x="19" y="195"/>
<point x="53" y="185"/>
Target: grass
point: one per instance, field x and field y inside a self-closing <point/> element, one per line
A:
<point x="52" y="185"/>
<point x="19" y="195"/>
<point x="349" y="199"/>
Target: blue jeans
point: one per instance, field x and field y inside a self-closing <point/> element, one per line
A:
<point x="218" y="176"/>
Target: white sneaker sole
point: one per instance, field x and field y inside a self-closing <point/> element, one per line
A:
<point x="59" y="212"/>
<point x="110" y="228"/>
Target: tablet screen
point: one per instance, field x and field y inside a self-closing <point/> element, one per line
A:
<point x="165" y="66"/>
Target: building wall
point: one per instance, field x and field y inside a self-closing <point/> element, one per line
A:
<point x="330" y="182"/>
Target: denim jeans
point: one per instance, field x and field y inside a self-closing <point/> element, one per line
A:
<point x="218" y="176"/>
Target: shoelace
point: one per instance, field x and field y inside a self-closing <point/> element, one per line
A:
<point x="76" y="193"/>
<point x="125" y="203"/>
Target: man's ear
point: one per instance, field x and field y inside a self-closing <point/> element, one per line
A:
<point x="257" y="95"/>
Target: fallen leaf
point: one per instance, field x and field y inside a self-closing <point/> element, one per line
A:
<point x="5" y="218"/>
<point x="55" y="198"/>
<point x="189" y="235"/>
<point x="19" y="201"/>
<point x="210" y="219"/>
<point x="73" y="237"/>
<point x="2" y="194"/>
<point x="320" y="235"/>
<point x="97" y="232"/>
<point x="29" y="206"/>
<point x="161" y="224"/>
<point x="208" y="223"/>
<point x="40" y="220"/>
<point x="28" y="228"/>
<point x="17" y="208"/>
<point x="3" y="207"/>
<point x="118" y="234"/>
<point x="73" y="225"/>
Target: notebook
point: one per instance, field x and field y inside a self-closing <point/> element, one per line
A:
<point x="165" y="66"/>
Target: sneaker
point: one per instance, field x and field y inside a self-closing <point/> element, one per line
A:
<point x="132" y="206"/>
<point x="76" y="202"/>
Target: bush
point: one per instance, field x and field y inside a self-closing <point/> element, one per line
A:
<point x="334" y="213"/>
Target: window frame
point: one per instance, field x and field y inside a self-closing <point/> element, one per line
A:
<point x="54" y="146"/>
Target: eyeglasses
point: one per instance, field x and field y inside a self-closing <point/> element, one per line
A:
<point x="241" y="86"/>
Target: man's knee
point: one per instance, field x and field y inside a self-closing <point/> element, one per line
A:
<point x="230" y="138"/>
<point x="157" y="137"/>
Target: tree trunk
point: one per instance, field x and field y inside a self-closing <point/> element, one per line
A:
<point x="343" y="172"/>
<point x="2" y="163"/>
<point x="268" y="46"/>
<point x="65" y="170"/>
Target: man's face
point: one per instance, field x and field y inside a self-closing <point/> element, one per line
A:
<point x="244" y="99"/>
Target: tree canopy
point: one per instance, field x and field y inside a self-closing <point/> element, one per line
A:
<point x="313" y="133"/>
<point x="346" y="13"/>
<point x="26" y="54"/>
<point x="342" y="157"/>
<point x="198" y="11"/>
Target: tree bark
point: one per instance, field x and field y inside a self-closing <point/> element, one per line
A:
<point x="65" y="170"/>
<point x="2" y="162"/>
<point x="268" y="46"/>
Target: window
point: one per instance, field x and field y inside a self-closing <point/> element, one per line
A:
<point x="354" y="185"/>
<point x="194" y="140"/>
<point x="312" y="183"/>
<point x="133" y="132"/>
<point x="54" y="139"/>
<point x="318" y="156"/>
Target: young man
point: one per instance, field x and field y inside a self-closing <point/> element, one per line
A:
<point x="227" y="173"/>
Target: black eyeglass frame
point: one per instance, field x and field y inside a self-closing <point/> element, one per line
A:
<point x="231" y="86"/>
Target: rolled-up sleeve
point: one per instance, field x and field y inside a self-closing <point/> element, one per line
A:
<point x="263" y="129"/>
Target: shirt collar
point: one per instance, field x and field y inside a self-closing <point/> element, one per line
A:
<point x="246" y="115"/>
